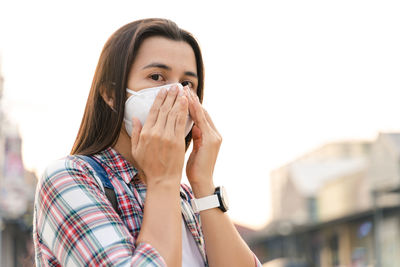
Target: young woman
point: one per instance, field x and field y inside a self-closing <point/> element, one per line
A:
<point x="158" y="221"/>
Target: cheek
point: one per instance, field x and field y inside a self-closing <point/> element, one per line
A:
<point x="137" y="84"/>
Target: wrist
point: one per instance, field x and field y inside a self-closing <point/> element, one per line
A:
<point x="164" y="183"/>
<point x="203" y="189"/>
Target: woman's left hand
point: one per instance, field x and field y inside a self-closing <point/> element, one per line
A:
<point x="206" y="144"/>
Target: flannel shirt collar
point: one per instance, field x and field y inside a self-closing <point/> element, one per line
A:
<point x="118" y="164"/>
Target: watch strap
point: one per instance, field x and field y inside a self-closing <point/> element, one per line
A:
<point x="205" y="203"/>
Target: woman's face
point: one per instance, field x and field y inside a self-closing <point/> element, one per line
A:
<point x="161" y="61"/>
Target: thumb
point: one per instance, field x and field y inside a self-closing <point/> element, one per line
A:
<point x="136" y="129"/>
<point x="197" y="137"/>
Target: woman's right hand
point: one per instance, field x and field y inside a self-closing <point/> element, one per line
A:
<point x="158" y="148"/>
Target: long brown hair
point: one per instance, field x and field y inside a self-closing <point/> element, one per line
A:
<point x="100" y="126"/>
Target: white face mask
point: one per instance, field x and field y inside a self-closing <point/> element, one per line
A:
<point x="139" y="104"/>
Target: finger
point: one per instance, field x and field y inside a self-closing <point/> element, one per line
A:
<point x="191" y="101"/>
<point x="209" y="120"/>
<point x="136" y="129"/>
<point x="181" y="120"/>
<point x="196" y="111"/>
<point x="167" y="106"/>
<point x="177" y="117"/>
<point x="154" y="110"/>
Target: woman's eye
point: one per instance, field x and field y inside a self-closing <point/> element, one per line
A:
<point x="156" y="77"/>
<point x="190" y="84"/>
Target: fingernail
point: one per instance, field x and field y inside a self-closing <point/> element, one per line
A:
<point x="181" y="92"/>
<point x="163" y="91"/>
<point x="174" y="88"/>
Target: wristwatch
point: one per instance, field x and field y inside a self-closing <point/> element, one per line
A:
<point x="217" y="200"/>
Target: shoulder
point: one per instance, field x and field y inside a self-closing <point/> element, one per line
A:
<point x="69" y="164"/>
<point x="67" y="170"/>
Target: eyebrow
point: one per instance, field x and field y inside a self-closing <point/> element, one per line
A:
<point x="163" y="66"/>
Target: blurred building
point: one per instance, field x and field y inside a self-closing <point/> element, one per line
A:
<point x="300" y="186"/>
<point x="17" y="186"/>
<point x="336" y="206"/>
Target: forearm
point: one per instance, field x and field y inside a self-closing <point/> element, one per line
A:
<point x="224" y="245"/>
<point x="161" y="226"/>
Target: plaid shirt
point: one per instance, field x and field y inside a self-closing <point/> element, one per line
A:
<point x="74" y="223"/>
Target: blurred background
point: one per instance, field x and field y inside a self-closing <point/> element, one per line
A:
<point x="305" y="94"/>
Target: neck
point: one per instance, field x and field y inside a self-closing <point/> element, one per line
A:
<point x="123" y="146"/>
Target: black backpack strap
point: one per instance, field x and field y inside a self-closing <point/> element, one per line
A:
<point x="102" y="174"/>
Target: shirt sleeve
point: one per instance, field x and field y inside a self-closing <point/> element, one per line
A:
<point x="77" y="226"/>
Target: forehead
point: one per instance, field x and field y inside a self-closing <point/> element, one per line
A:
<point x="175" y="54"/>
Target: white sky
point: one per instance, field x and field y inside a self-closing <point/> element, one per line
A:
<point x="282" y="77"/>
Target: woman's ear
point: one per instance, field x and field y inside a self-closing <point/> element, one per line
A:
<point x="109" y="100"/>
